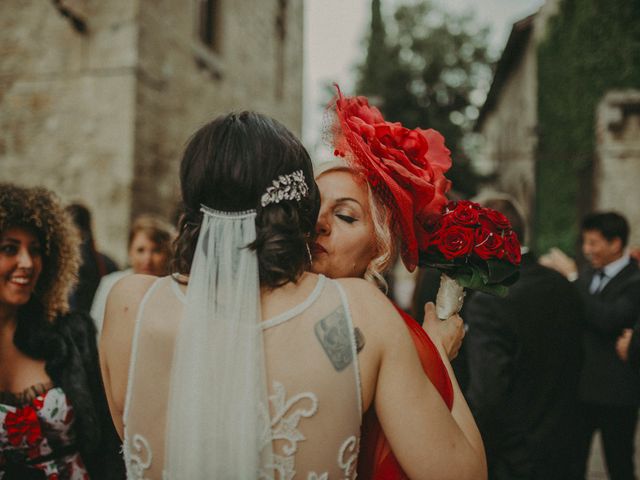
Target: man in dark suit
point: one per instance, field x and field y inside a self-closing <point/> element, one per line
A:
<point x="524" y="355"/>
<point x="609" y="387"/>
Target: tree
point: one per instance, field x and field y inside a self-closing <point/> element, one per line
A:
<point x="430" y="69"/>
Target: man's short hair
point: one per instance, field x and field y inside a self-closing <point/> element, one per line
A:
<point x="610" y="224"/>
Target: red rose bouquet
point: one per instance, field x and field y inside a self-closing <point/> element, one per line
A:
<point x="473" y="247"/>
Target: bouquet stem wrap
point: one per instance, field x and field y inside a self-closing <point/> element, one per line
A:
<point x="449" y="298"/>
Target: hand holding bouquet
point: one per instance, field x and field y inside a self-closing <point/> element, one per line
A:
<point x="473" y="247"/>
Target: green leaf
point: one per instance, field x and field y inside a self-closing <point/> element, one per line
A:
<point x="500" y="270"/>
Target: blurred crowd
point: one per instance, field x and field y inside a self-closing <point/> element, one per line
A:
<point x="542" y="369"/>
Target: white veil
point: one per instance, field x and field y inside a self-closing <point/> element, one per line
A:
<point x="217" y="422"/>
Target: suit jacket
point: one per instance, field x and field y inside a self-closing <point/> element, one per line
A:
<point x="525" y="355"/>
<point x="634" y="348"/>
<point x="607" y="380"/>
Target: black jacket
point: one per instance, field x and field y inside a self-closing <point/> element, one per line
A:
<point x="524" y="355"/>
<point x="607" y="380"/>
<point x="69" y="348"/>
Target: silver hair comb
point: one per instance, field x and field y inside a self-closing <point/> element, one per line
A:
<point x="286" y="187"/>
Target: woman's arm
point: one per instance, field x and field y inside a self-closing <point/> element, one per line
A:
<point x="429" y="441"/>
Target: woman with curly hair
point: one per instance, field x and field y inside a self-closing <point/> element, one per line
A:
<point x="53" y="418"/>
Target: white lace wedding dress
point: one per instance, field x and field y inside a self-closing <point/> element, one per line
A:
<point x="313" y="380"/>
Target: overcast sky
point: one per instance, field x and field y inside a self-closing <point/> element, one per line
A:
<point x="335" y="32"/>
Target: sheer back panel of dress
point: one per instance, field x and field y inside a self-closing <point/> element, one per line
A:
<point x="313" y="386"/>
<point x="149" y="378"/>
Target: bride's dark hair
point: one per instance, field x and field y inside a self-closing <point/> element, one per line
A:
<point x="228" y="165"/>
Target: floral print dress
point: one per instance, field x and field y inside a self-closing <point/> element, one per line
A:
<point x="36" y="436"/>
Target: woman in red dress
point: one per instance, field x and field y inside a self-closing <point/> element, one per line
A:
<point x="362" y="227"/>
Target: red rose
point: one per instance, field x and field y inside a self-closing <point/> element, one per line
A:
<point x="405" y="167"/>
<point x="488" y="244"/>
<point x="23" y="424"/>
<point x="499" y="221"/>
<point x="512" y="248"/>
<point x="455" y="241"/>
<point x="464" y="215"/>
<point x="453" y="204"/>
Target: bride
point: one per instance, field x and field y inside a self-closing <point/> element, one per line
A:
<point x="244" y="365"/>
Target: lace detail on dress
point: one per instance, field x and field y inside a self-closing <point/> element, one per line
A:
<point x="284" y="426"/>
<point x="136" y="466"/>
<point x="348" y="456"/>
<point x="315" y="476"/>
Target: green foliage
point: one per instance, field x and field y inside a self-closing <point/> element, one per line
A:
<point x="592" y="46"/>
<point x="428" y="70"/>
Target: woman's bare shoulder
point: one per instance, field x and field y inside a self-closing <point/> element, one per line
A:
<point x="132" y="286"/>
<point x="369" y="304"/>
<point x="124" y="299"/>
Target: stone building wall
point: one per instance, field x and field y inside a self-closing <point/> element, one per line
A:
<point x="617" y="165"/>
<point x="509" y="127"/>
<point x="97" y="99"/>
<point x="182" y="84"/>
<point x="67" y="104"/>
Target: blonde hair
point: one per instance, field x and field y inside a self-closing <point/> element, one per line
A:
<point x="155" y="228"/>
<point x="386" y="239"/>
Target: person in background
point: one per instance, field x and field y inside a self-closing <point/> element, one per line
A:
<point x="95" y="264"/>
<point x="54" y="422"/>
<point x="149" y="245"/>
<point x="609" y="386"/>
<point x="524" y="358"/>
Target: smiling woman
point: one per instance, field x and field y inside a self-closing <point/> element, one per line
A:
<point x="20" y="266"/>
<point x="53" y="418"/>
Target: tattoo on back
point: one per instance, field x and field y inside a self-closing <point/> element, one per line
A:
<point x="333" y="334"/>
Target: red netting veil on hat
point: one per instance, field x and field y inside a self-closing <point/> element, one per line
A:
<point x="404" y="167"/>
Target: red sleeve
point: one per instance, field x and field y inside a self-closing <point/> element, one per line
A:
<point x="430" y="358"/>
<point x="376" y="460"/>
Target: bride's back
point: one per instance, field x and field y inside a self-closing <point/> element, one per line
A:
<point x="311" y="369"/>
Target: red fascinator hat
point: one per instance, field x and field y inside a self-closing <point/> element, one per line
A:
<point x="405" y="168"/>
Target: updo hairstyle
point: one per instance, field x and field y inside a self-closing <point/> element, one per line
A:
<point x="227" y="166"/>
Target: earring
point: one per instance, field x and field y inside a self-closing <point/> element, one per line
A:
<point x="309" y="253"/>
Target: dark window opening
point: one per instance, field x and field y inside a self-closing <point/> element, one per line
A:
<point x="209" y="24"/>
<point x="281" y="37"/>
<point x="78" y="22"/>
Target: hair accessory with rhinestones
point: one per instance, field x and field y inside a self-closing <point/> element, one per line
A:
<point x="286" y="187"/>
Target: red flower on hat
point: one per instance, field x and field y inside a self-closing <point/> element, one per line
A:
<point x="404" y="167"/>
